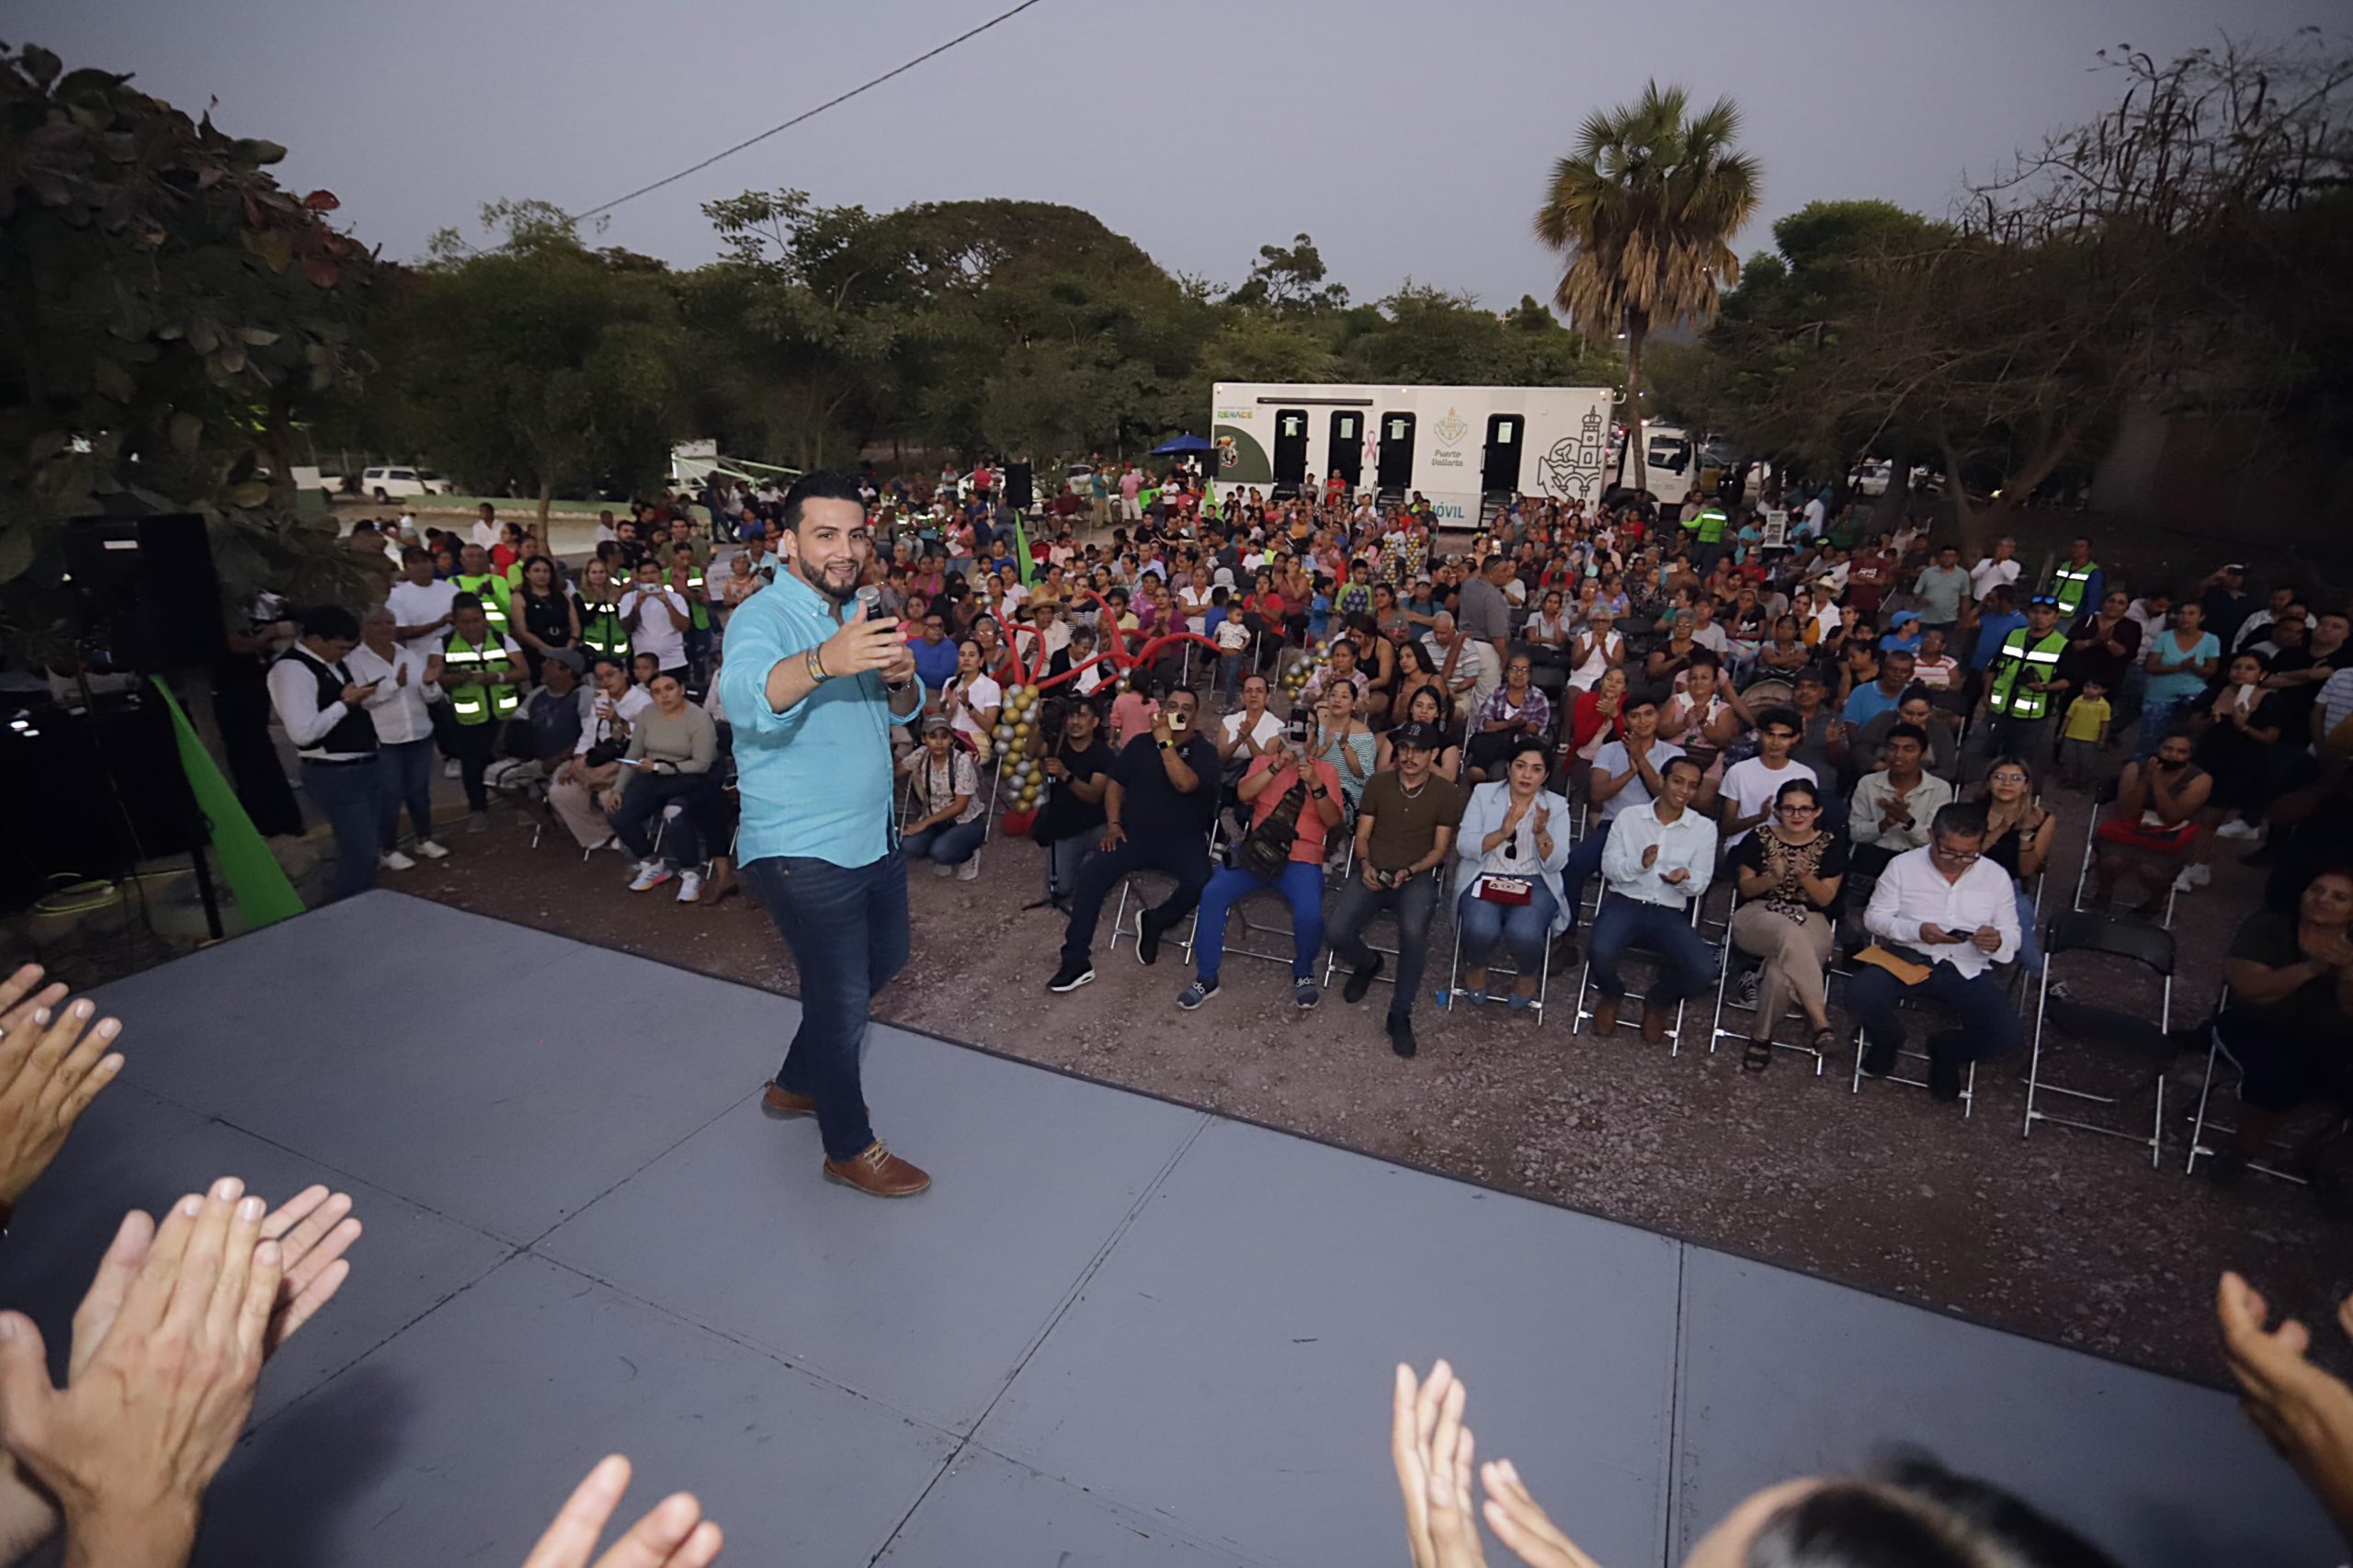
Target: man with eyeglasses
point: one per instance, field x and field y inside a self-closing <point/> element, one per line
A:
<point x="1947" y="908"/>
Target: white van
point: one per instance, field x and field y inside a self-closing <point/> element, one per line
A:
<point x="383" y="483"/>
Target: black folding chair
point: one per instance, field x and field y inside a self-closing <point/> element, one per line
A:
<point x="2126" y="1033"/>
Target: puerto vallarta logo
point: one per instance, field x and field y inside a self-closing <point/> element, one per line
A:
<point x="1450" y="429"/>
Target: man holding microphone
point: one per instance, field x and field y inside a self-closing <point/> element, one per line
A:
<point x="812" y="685"/>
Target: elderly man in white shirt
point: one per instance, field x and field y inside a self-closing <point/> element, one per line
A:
<point x="1946" y="908"/>
<point x="1655" y="867"/>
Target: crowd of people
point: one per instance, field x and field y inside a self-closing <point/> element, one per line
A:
<point x="1771" y="751"/>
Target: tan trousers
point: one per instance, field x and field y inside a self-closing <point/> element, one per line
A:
<point x="1796" y="957"/>
<point x="574" y="802"/>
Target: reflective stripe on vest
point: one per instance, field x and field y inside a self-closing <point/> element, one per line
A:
<point x="2069" y="584"/>
<point x="1710" y="524"/>
<point x="600" y="629"/>
<point x="471" y="701"/>
<point x="2010" y="697"/>
<point x="493" y="608"/>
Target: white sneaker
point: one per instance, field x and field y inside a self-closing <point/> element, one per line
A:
<point x="689" y="886"/>
<point x="2237" y="829"/>
<point x="2200" y="874"/>
<point x="431" y="849"/>
<point x="969" y="871"/>
<point x="650" y="874"/>
<point x="941" y="868"/>
<point x="2189" y="879"/>
<point x="394" y="860"/>
<point x="449" y="769"/>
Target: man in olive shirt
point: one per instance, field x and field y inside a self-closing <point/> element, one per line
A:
<point x="1405" y="822"/>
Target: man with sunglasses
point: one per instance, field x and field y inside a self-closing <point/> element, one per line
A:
<point x="1947" y="908"/>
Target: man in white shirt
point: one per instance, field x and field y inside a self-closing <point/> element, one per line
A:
<point x="1625" y="777"/>
<point x="657" y="617"/>
<point x="420" y="606"/>
<point x="1749" y="786"/>
<point x="1654" y="869"/>
<point x="1996" y="571"/>
<point x="485" y="529"/>
<point x="1946" y="908"/>
<point x="323" y="712"/>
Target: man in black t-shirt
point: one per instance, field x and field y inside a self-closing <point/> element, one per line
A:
<point x="1071" y="822"/>
<point x="1157" y="815"/>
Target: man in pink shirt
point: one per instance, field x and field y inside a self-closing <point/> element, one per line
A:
<point x="1131" y="482"/>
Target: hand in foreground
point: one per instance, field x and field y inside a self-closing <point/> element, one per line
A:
<point x="673" y="1535"/>
<point x="862" y="644"/>
<point x="22" y="993"/>
<point x="145" y="1421"/>
<point x="2303" y="1412"/>
<point x="53" y="1064"/>
<point x="1432" y="1453"/>
<point x="1521" y="1525"/>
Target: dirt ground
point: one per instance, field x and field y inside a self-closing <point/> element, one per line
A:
<point x="2062" y="1236"/>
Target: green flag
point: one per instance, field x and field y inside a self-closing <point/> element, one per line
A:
<point x="1021" y="550"/>
<point x="256" y="878"/>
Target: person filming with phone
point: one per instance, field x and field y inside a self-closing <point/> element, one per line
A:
<point x="1157" y="816"/>
<point x="1294" y="799"/>
<point x="326" y="715"/>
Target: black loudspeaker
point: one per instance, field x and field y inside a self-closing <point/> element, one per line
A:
<point x="151" y="600"/>
<point x="1020" y="486"/>
<point x="105" y="786"/>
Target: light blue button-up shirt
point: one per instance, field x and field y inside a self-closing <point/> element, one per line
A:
<point x="816" y="779"/>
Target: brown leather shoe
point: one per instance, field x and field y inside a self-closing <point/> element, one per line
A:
<point x="1605" y="1013"/>
<point x="878" y="1172"/>
<point x="1656" y="1017"/>
<point x="781" y="1101"/>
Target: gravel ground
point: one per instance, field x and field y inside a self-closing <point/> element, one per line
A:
<point x="2064" y="1237"/>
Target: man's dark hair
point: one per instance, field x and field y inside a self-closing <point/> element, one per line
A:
<point x="1786" y="718"/>
<point x="415" y="552"/>
<point x="1635" y="700"/>
<point x="332" y="622"/>
<point x="463" y="601"/>
<point x="1906" y="731"/>
<point x="823" y="485"/>
<point x="1960" y="819"/>
<point x="1674" y="762"/>
<point x="1493" y="561"/>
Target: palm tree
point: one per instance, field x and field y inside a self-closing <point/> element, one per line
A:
<point x="1645" y="211"/>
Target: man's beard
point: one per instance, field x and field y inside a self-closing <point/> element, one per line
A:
<point x="841" y="596"/>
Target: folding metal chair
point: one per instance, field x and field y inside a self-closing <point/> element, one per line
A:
<point x="1119" y="926"/>
<point x="1736" y="958"/>
<point x="2203" y="1121"/>
<point x="2129" y="1033"/>
<point x="1905" y="1053"/>
<point x="1585" y="987"/>
<point x="1446" y="997"/>
<point x="2102" y="798"/>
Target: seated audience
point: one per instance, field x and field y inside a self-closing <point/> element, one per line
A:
<point x="1893" y="806"/>
<point x="672" y="747"/>
<point x="1293" y="801"/>
<point x="1405" y="829"/>
<point x="1655" y="867"/>
<point x="1949" y="911"/>
<point x="1513" y="841"/>
<point x="947" y="819"/>
<point x="1789" y="873"/>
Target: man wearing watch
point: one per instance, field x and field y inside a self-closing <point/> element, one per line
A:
<point x="1405" y="822"/>
<point x="1157" y="816"/>
<point x="1293" y="801"/>
<point x="811" y="688"/>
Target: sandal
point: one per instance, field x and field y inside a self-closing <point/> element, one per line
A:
<point x="1758" y="1057"/>
<point x="1825" y="1040"/>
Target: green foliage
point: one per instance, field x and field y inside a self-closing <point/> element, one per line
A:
<point x="170" y="315"/>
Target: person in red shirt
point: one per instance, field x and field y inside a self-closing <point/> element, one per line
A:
<point x="1283" y="788"/>
<point x="1868" y="573"/>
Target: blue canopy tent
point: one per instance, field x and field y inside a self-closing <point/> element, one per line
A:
<point x="1188" y="442"/>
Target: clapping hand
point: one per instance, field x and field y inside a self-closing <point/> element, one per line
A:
<point x="1432" y="1452"/>
<point x="673" y="1535"/>
<point x="1649" y="856"/>
<point x="53" y="1062"/>
<point x="2304" y="1412"/>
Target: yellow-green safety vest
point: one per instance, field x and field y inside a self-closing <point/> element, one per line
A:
<point x="2021" y="651"/>
<point x="2070" y="584"/>
<point x="471" y="699"/>
<point x="1710" y="524"/>
<point x="697" y="601"/>
<point x="601" y="632"/>
<point x="490" y="589"/>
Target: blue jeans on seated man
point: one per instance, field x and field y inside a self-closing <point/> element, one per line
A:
<point x="949" y="845"/>
<point x="1686" y="960"/>
<point x="1984" y="1021"/>
<point x="1584" y="864"/>
<point x="1525" y="928"/>
<point x="847" y="929"/>
<point x="1302" y="885"/>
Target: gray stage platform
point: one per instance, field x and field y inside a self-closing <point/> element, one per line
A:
<point x="1117" y="1332"/>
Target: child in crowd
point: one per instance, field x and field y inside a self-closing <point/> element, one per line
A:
<point x="2082" y="733"/>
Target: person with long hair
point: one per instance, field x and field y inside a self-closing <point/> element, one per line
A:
<point x="2018" y="834"/>
<point x="1428" y="705"/>
<point x="1339" y="737"/>
<point x="1416" y="667"/>
<point x="2289" y="1021"/>
<point x="973" y="698"/>
<point x="1789" y="873"/>
<point x="544" y="616"/>
<point x="1512" y="845"/>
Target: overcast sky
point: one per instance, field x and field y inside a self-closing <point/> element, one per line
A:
<point x="1410" y="140"/>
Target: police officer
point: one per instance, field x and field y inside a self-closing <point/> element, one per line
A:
<point x="482" y="675"/>
<point x="2025" y="689"/>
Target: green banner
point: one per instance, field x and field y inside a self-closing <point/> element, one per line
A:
<point x="256" y="878"/>
<point x="1021" y="552"/>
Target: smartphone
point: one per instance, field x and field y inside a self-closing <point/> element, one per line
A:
<point x="630" y="761"/>
<point x="1298" y="731"/>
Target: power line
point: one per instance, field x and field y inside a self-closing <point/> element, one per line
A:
<point x="808" y="114"/>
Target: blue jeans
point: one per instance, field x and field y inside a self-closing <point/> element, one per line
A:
<point x="1525" y="928"/>
<point x="2157" y="715"/>
<point x="405" y="770"/>
<point x="1229" y="674"/>
<point x="351" y="795"/>
<point x="1686" y="960"/>
<point x="950" y="846"/>
<point x="1985" y="1023"/>
<point x="847" y="929"/>
<point x="1301" y="884"/>
<point x="1584" y="860"/>
<point x="2029" y="946"/>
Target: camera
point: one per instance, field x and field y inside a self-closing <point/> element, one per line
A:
<point x="1298" y="731"/>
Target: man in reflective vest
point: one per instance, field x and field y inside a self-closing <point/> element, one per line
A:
<point x="2023" y="697"/>
<point x="488" y="588"/>
<point x="482" y="675"/>
<point x="1707" y="529"/>
<point x="687" y="578"/>
<point x="2077" y="581"/>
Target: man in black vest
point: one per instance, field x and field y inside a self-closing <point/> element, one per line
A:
<point x="325" y="713"/>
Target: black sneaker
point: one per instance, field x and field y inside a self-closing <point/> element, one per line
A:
<point x="1401" y="1034"/>
<point x="1147" y="939"/>
<point x="1878" y="1059"/>
<point x="1361" y="981"/>
<point x="1944" y="1076"/>
<point x="1072" y="975"/>
<point x="1193" y="995"/>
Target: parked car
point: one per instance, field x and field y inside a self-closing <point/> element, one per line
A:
<point x="1870" y="476"/>
<point x="383" y="483"/>
<point x="1079" y="479"/>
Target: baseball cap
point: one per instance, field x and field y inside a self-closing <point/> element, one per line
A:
<point x="1900" y="616"/>
<point x="1419" y="736"/>
<point x="569" y="658"/>
<point x="937" y="722"/>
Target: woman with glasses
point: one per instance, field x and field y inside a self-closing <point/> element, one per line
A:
<point x="1512" y="845"/>
<point x="2018" y="839"/>
<point x="1789" y="872"/>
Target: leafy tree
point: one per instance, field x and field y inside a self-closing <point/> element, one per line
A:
<point x="539" y="357"/>
<point x="1644" y="210"/>
<point x="1289" y="282"/>
<point x="169" y="315"/>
